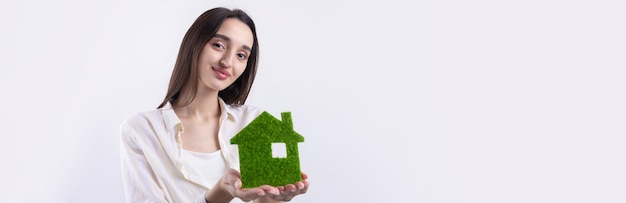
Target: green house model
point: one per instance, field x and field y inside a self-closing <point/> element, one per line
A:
<point x="260" y="145"/>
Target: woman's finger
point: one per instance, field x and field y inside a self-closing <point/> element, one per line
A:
<point x="305" y="188"/>
<point x="269" y="189"/>
<point x="250" y="194"/>
<point x="304" y="176"/>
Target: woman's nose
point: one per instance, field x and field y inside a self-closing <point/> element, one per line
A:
<point x="226" y="61"/>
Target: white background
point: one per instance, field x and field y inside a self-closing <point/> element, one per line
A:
<point x="399" y="101"/>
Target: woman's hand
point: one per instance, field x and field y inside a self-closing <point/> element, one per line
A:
<point x="231" y="183"/>
<point x="290" y="191"/>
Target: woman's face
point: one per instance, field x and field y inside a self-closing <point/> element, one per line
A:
<point x="224" y="58"/>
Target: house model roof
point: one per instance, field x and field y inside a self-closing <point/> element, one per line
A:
<point x="268" y="128"/>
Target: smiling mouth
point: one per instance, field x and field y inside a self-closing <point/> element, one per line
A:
<point x="221" y="73"/>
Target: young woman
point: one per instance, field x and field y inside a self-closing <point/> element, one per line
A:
<point x="180" y="152"/>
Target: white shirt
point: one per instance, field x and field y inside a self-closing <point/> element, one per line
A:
<point x="207" y="166"/>
<point x="152" y="158"/>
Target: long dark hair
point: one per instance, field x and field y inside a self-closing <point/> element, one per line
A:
<point x="185" y="74"/>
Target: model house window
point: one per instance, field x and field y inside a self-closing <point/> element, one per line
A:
<point x="279" y="150"/>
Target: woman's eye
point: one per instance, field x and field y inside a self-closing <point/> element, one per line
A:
<point x="218" y="45"/>
<point x="242" y="56"/>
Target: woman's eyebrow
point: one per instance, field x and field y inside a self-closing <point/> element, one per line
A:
<point x="227" y="39"/>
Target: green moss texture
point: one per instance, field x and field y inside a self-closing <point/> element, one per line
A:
<point x="257" y="165"/>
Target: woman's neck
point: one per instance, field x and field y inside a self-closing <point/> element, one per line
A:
<point x="203" y="107"/>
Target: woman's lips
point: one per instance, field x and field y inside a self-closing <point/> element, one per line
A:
<point x="221" y="73"/>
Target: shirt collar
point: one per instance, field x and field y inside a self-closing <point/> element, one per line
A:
<point x="169" y="117"/>
<point x="228" y="109"/>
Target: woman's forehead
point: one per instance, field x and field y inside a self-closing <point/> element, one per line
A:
<point x="236" y="32"/>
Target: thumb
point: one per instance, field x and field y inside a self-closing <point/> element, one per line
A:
<point x="238" y="184"/>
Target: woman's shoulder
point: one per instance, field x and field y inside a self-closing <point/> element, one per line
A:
<point x="142" y="118"/>
<point x="245" y="111"/>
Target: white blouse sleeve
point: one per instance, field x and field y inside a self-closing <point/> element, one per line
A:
<point x="138" y="178"/>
